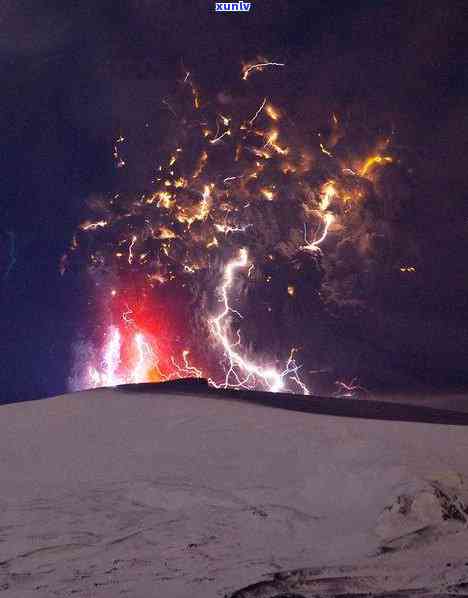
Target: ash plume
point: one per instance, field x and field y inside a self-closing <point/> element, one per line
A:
<point x="320" y="209"/>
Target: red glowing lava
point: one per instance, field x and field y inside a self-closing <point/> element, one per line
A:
<point x="142" y="342"/>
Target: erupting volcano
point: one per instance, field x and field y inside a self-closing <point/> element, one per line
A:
<point x="250" y="219"/>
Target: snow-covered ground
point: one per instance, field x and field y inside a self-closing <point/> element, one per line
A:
<point x="109" y="494"/>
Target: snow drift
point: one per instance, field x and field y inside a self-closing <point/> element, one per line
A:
<point x="165" y="493"/>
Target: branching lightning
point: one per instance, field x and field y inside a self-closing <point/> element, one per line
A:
<point x="241" y="372"/>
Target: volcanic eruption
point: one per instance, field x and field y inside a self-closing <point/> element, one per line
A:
<point x="250" y="227"/>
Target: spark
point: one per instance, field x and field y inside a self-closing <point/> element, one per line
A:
<point x="180" y="182"/>
<point x="190" y="269"/>
<point x="349" y="389"/>
<point x="370" y="162"/>
<point x="93" y="225"/>
<point x="201" y="165"/>
<point x="251" y="121"/>
<point x="224" y="228"/>
<point x="130" y="249"/>
<point x="271" y="142"/>
<point x="268" y="194"/>
<point x="120" y="161"/>
<point x="166" y="233"/>
<point x="328" y="192"/>
<point x="156" y="277"/>
<point x="228" y="132"/>
<point x="325" y="151"/>
<point x="272" y="112"/>
<point x="257" y="67"/>
<point x="165" y="199"/>
<point x="196" y="98"/>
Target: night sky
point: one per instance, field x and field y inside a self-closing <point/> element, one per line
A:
<point x="75" y="76"/>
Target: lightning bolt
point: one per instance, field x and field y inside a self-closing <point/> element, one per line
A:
<point x="315" y="245"/>
<point x="242" y="370"/>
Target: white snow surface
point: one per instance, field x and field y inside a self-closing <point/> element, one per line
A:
<point x="107" y="494"/>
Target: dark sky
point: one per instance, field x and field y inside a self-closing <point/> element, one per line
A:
<point x="76" y="74"/>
